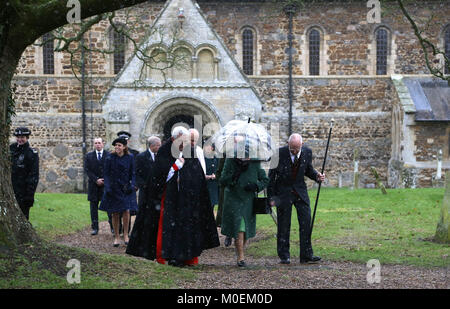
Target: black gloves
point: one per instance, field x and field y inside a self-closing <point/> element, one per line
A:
<point x="252" y="187"/>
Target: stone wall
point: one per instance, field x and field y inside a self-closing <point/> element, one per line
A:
<point x="360" y="103"/>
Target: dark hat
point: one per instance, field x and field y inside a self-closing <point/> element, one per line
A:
<point x="120" y="139"/>
<point x="124" y="133"/>
<point x="22" y="131"/>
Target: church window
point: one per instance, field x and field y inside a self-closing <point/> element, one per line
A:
<point x="119" y="44"/>
<point x="48" y="54"/>
<point x="382" y="37"/>
<point x="314" y="52"/>
<point x="447" y="48"/>
<point x="247" y="51"/>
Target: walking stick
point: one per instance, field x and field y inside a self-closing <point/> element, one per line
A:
<point x="320" y="183"/>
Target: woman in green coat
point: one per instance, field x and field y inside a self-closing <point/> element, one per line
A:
<point x="242" y="179"/>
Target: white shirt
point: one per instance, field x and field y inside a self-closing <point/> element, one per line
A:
<point x="99" y="152"/>
<point x="293" y="156"/>
<point x="152" y="154"/>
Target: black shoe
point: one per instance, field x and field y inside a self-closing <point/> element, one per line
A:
<point x="285" y="261"/>
<point x="227" y="242"/>
<point x="176" y="263"/>
<point x="241" y="263"/>
<point x="115" y="245"/>
<point x="311" y="260"/>
<point x="94" y="232"/>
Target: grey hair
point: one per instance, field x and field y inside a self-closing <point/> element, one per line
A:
<point x="152" y="140"/>
<point x="179" y="130"/>
<point x="295" y="135"/>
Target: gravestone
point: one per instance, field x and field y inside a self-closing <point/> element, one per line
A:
<point x="443" y="227"/>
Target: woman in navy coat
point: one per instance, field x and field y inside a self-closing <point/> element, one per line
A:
<point x="119" y="196"/>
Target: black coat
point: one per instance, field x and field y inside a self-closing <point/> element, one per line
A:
<point x="24" y="173"/>
<point x="94" y="170"/>
<point x="145" y="229"/>
<point x="144" y="169"/>
<point x="188" y="225"/>
<point x="281" y="183"/>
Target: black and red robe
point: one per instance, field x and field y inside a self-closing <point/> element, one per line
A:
<point x="187" y="225"/>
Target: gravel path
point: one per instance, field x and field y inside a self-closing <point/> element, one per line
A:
<point x="218" y="269"/>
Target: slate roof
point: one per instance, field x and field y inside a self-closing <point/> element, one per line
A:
<point x="431" y="98"/>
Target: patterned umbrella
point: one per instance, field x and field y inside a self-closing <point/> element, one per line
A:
<point x="244" y="139"/>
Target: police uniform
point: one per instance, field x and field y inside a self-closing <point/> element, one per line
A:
<point x="24" y="171"/>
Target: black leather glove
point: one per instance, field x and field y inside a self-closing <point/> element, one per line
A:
<point x="251" y="187"/>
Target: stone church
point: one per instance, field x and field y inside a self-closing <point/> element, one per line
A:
<point x="291" y="70"/>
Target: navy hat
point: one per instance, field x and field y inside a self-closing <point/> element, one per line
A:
<point x="124" y="134"/>
<point x="120" y="139"/>
<point x="22" y="131"/>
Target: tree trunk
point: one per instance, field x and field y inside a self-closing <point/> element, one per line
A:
<point x="21" y="23"/>
<point x="14" y="228"/>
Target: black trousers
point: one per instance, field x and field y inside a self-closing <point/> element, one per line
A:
<point x="284" y="212"/>
<point x="94" y="215"/>
<point x="26" y="210"/>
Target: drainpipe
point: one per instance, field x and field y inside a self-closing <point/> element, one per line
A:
<point x="290" y="10"/>
<point x="83" y="112"/>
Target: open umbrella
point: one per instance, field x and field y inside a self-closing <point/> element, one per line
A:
<point x="244" y="139"/>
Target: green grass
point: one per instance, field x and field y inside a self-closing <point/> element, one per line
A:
<point x="351" y="225"/>
<point x="359" y="225"/>
<point x="56" y="214"/>
<point x="45" y="267"/>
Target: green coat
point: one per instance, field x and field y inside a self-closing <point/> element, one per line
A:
<point x="237" y="202"/>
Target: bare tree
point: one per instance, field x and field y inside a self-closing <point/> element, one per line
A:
<point x="21" y="24"/>
<point x="431" y="51"/>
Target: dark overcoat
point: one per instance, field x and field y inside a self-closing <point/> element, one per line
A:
<point x="188" y="218"/>
<point x="94" y="171"/>
<point x="119" y="194"/>
<point x="145" y="229"/>
<point x="24" y="173"/>
<point x="281" y="183"/>
<point x="144" y="167"/>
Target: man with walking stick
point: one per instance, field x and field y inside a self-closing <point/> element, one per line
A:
<point x="286" y="187"/>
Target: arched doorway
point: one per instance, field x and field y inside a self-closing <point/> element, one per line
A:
<point x="193" y="112"/>
<point x="187" y="120"/>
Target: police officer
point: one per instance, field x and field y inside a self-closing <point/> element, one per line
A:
<point x="24" y="170"/>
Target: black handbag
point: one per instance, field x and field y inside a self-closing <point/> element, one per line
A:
<point x="261" y="205"/>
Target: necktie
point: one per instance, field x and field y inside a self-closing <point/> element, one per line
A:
<point x="99" y="156"/>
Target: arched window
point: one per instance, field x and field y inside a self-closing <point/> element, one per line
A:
<point x="158" y="65"/>
<point x="118" y="44"/>
<point x="205" y="65"/>
<point x="447" y="48"/>
<point x="382" y="41"/>
<point x="314" y="52"/>
<point x="48" y="54"/>
<point x="247" y="51"/>
<point x="182" y="70"/>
